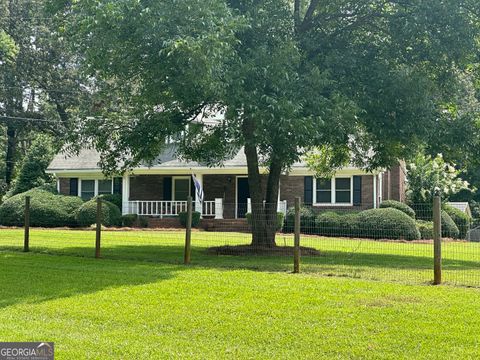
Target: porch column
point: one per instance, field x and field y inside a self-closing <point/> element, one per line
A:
<point x="198" y="203"/>
<point x="218" y="208"/>
<point x="125" y="193"/>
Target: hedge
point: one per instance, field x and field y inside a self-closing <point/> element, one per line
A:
<point x="87" y="214"/>
<point x="449" y="228"/>
<point x="331" y="223"/>
<point x="426" y="229"/>
<point x="195" y="218"/>
<point x="46" y="209"/>
<point x="280" y="220"/>
<point x="307" y="220"/>
<point x="129" y="220"/>
<point x="462" y="220"/>
<point x="386" y="223"/>
<point x="399" y="206"/>
<point x="115" y="199"/>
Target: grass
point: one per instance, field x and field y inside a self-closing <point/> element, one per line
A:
<point x="367" y="259"/>
<point x="104" y="309"/>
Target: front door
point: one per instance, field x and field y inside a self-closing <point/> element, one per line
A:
<point x="243" y="193"/>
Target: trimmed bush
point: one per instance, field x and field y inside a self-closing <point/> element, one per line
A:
<point x="426" y="229"/>
<point x="46" y="209"/>
<point x="113" y="198"/>
<point x="280" y="220"/>
<point x="129" y="220"/>
<point x="307" y="220"/>
<point x="143" y="221"/>
<point x="195" y="218"/>
<point x="449" y="228"/>
<point x="386" y="223"/>
<point x="331" y="223"/>
<point x="462" y="220"/>
<point x="399" y="206"/>
<point x="87" y="214"/>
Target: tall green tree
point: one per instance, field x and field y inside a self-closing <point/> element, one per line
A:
<point x="368" y="77"/>
<point x="38" y="80"/>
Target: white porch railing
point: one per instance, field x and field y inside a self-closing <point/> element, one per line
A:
<point x="171" y="208"/>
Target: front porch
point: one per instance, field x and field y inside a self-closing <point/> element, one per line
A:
<point x="226" y="196"/>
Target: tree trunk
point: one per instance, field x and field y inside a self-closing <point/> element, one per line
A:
<point x="264" y="218"/>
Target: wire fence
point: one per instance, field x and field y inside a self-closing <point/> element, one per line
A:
<point x="386" y="244"/>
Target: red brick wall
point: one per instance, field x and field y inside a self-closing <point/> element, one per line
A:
<point x="146" y="187"/>
<point x="64" y="186"/>
<point x="221" y="186"/>
<point x="394" y="183"/>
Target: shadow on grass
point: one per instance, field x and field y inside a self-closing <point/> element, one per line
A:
<point x="173" y="254"/>
<point x="33" y="279"/>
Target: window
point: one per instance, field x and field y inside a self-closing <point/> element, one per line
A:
<point x="104" y="187"/>
<point x="324" y="191"/>
<point x="343" y="190"/>
<point x="181" y="188"/>
<point x="336" y="191"/>
<point x="88" y="189"/>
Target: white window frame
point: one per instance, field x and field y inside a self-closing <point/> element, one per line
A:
<point x="180" y="178"/>
<point x="95" y="188"/>
<point x="334" y="195"/>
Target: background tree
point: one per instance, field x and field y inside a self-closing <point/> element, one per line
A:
<point x="31" y="172"/>
<point x="368" y="77"/>
<point x="39" y="84"/>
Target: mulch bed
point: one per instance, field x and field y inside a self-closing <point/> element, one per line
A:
<point x="242" y="250"/>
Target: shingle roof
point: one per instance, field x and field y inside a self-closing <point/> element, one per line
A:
<point x="88" y="159"/>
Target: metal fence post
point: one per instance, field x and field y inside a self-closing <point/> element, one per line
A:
<point x="26" y="238"/>
<point x="188" y="232"/>
<point x="98" y="228"/>
<point x="437" y="240"/>
<point x="296" y="247"/>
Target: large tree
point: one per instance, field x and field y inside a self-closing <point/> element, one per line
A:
<point x="368" y="77"/>
<point x="38" y="78"/>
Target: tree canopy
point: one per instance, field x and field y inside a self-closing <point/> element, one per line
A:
<point x="369" y="78"/>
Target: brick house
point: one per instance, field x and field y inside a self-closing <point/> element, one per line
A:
<point x="161" y="190"/>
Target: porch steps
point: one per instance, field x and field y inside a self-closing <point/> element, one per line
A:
<point x="233" y="225"/>
<point x="228" y="225"/>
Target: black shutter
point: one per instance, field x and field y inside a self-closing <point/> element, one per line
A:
<point x="74" y="186"/>
<point x="167" y="188"/>
<point x="357" y="190"/>
<point x="117" y="185"/>
<point x="308" y="190"/>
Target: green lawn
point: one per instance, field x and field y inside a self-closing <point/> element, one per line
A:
<point x="375" y="260"/>
<point x="128" y="309"/>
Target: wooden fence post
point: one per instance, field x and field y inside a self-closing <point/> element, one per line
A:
<point x="188" y="232"/>
<point x="98" y="229"/>
<point x="26" y="238"/>
<point x="296" y="248"/>
<point x="437" y="240"/>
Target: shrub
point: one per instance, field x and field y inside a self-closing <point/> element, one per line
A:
<point x="280" y="220"/>
<point x="129" y="220"/>
<point x="115" y="199"/>
<point x="195" y="218"/>
<point x="46" y="209"/>
<point x="462" y="220"/>
<point x="425" y="228"/>
<point x="386" y="223"/>
<point x="87" y="214"/>
<point x="449" y="229"/>
<point x="143" y="221"/>
<point x="399" y="206"/>
<point x="307" y="220"/>
<point x="331" y="223"/>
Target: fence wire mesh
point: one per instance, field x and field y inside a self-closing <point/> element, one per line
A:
<point x="377" y="244"/>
